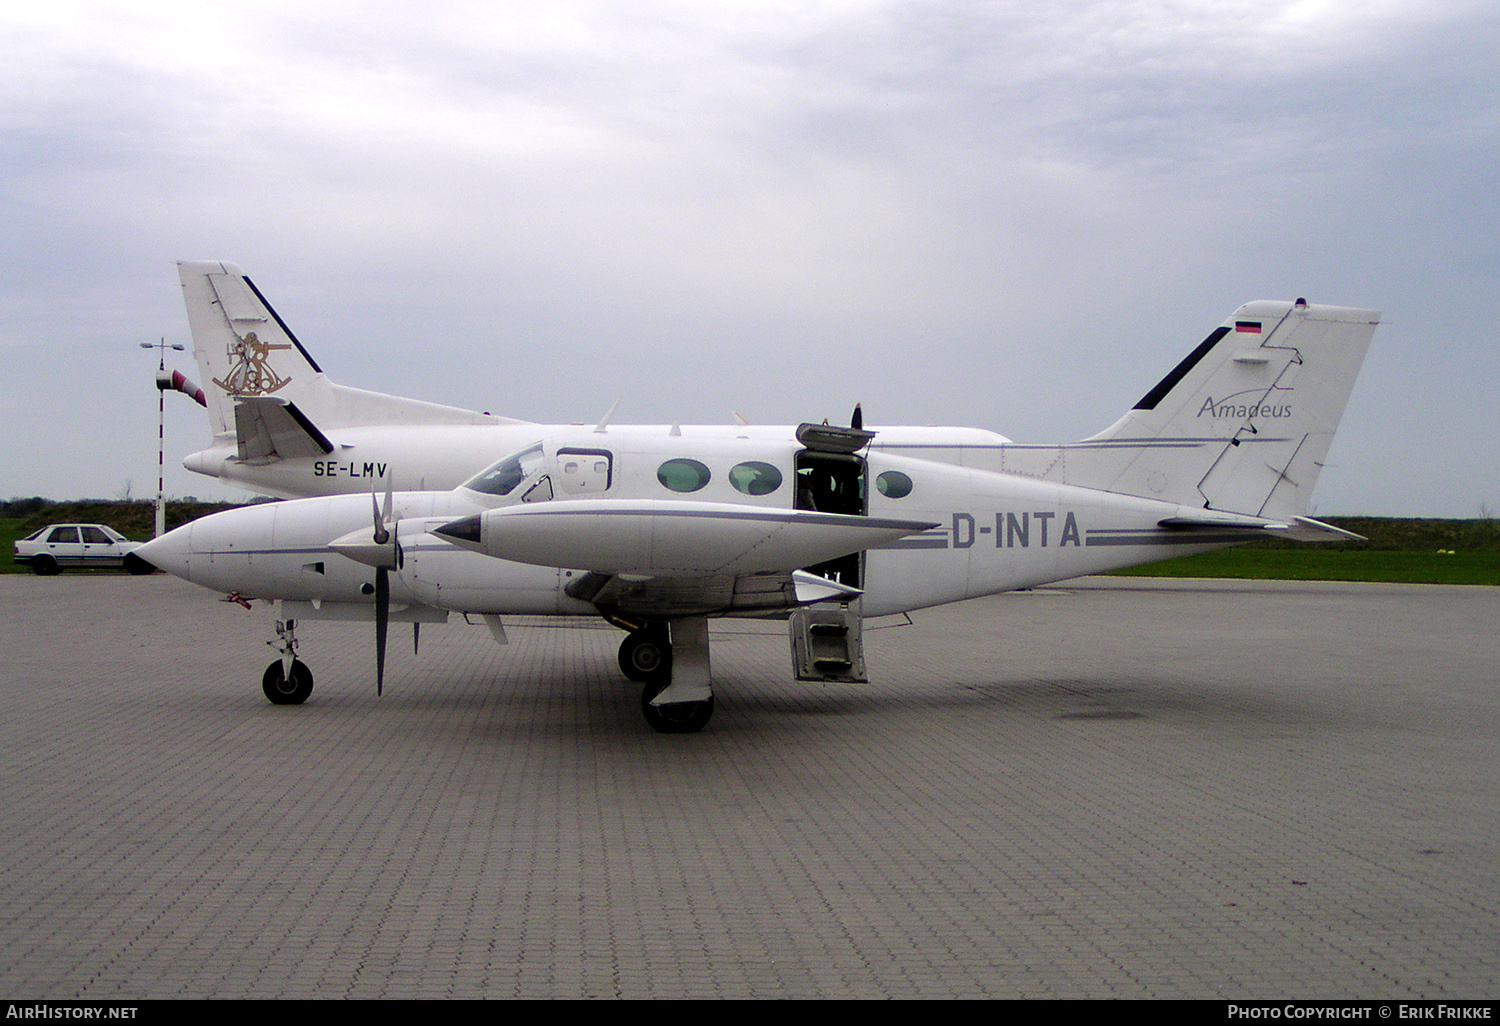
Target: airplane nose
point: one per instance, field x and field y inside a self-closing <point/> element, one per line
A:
<point x="171" y="552"/>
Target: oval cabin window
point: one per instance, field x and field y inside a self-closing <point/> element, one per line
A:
<point x="683" y="475"/>
<point x="755" y="478"/>
<point x="893" y="484"/>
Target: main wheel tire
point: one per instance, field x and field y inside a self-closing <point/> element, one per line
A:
<point x="284" y="690"/>
<point x="677" y="717"/>
<point x="646" y="656"/>
<point x="45" y="566"/>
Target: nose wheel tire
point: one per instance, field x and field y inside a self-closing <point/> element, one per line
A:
<point x="282" y="689"/>
<point x="646" y="656"/>
<point x="677" y="717"/>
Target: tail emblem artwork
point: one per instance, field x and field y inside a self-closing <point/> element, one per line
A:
<point x="659" y="529"/>
<point x="251" y="374"/>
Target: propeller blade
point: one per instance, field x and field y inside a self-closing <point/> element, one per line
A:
<point x="383" y="580"/>
<point x="416" y="637"/>
<point x="382" y="624"/>
<point x="381" y="534"/>
<point x="857" y="420"/>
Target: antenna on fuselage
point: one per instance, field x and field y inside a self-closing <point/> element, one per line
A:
<point x="604" y="420"/>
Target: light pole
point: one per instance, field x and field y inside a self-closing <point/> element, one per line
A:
<point x="161" y="427"/>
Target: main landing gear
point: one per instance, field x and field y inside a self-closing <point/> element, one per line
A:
<point x="646" y="654"/>
<point x="670" y="661"/>
<point x="287" y="681"/>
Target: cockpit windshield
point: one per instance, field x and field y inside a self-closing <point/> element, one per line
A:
<point x="503" y="477"/>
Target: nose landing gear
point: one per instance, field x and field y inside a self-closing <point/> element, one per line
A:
<point x="287" y="689"/>
<point x="287" y="681"/>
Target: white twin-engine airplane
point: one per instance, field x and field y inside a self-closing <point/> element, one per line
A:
<point x="659" y="529"/>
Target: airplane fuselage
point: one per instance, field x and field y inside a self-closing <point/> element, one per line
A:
<point x="443" y="456"/>
<point x="989" y="532"/>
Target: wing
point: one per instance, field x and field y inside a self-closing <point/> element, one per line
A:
<point x="661" y="558"/>
<point x="662" y="537"/>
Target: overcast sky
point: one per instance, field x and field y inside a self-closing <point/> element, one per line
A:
<point x="1011" y="215"/>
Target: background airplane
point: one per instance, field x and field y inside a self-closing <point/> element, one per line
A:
<point x="659" y="529"/>
<point x="282" y="427"/>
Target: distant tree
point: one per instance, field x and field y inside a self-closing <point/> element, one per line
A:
<point x="24" y="507"/>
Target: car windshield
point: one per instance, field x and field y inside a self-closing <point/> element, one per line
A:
<point x="502" y="478"/>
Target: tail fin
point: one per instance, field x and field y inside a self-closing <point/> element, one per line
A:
<point x="1241" y="425"/>
<point x="245" y="350"/>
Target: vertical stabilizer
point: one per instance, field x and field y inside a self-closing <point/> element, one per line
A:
<point x="1242" y="424"/>
<point x="242" y="346"/>
<point x="246" y="352"/>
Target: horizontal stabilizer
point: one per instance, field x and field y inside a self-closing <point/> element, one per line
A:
<point x="267" y="429"/>
<point x="1304" y="529"/>
<point x="1309" y="530"/>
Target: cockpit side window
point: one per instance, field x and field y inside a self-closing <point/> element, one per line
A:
<point x="503" y="477"/>
<point x="539" y="492"/>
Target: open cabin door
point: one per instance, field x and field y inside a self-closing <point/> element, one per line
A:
<point x="831" y="479"/>
<point x="826" y="638"/>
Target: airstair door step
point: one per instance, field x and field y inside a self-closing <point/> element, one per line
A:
<point x="827" y="644"/>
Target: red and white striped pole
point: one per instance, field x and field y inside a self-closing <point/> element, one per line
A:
<point x="171" y="381"/>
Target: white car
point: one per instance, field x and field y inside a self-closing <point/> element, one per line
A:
<point x="52" y="548"/>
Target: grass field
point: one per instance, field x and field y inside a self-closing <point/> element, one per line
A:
<point x="1313" y="564"/>
<point x="1399" y="550"/>
<point x="1403" y="551"/>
